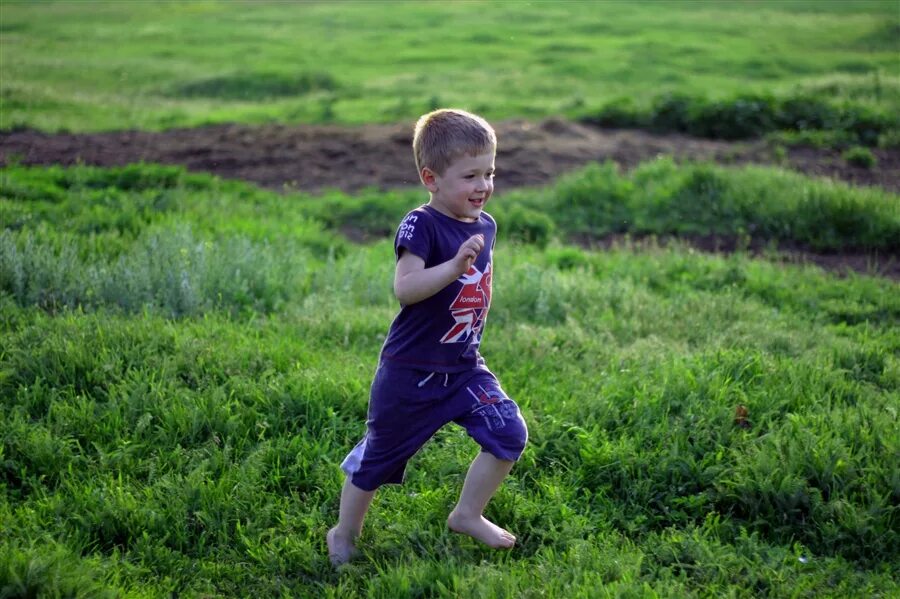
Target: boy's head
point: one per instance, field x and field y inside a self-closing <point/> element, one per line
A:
<point x="445" y="135"/>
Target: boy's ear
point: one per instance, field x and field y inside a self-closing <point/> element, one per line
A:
<point x="429" y="179"/>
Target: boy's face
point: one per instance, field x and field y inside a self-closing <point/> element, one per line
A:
<point x="464" y="188"/>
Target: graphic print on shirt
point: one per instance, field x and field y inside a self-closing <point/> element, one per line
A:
<point x="407" y="227"/>
<point x="470" y="307"/>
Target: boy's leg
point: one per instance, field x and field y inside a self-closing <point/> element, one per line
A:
<point x="342" y="538"/>
<point x="495" y="423"/>
<point x="482" y="481"/>
<point x="401" y="418"/>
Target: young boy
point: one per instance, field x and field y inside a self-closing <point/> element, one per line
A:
<point x="430" y="372"/>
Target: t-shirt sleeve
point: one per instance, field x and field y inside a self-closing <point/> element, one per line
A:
<point x="493" y="231"/>
<point x="414" y="235"/>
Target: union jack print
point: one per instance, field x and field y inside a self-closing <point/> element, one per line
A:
<point x="471" y="305"/>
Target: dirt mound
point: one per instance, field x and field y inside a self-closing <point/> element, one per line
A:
<point x="316" y="157"/>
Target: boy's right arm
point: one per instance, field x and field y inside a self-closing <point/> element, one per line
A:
<point x="414" y="283"/>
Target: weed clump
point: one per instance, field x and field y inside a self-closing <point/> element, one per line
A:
<point x="860" y="156"/>
<point x="746" y="116"/>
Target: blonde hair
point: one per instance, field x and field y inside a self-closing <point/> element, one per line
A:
<point x="444" y="135"/>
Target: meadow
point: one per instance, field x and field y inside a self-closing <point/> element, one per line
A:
<point x="152" y="65"/>
<point x="186" y="360"/>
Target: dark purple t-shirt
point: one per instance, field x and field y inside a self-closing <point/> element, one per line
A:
<point x="442" y="333"/>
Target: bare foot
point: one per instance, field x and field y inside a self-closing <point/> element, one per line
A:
<point x="340" y="549"/>
<point x="482" y="529"/>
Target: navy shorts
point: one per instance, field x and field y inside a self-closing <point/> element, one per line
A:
<point x="407" y="407"/>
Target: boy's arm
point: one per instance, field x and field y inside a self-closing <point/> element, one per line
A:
<point x="414" y="283"/>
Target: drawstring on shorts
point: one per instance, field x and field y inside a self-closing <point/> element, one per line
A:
<point x="428" y="378"/>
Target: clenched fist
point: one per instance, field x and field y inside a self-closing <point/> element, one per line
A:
<point x="468" y="251"/>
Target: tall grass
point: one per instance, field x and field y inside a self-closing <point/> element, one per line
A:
<point x="144" y="455"/>
<point x="659" y="197"/>
<point x="764" y="203"/>
<point x="171" y="270"/>
<point x="753" y="115"/>
<point x="156" y="237"/>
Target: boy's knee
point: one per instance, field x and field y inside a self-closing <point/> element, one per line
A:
<point x="521" y="434"/>
<point x="512" y="438"/>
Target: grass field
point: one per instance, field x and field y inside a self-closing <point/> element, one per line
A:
<point x="187" y="360"/>
<point x="154" y="66"/>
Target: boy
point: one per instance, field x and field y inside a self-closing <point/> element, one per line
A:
<point x="430" y="372"/>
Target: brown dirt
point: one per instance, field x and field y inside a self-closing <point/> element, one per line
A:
<point x="317" y="157"/>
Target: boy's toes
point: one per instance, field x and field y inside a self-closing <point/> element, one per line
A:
<point x="507" y="539"/>
<point x="483" y="530"/>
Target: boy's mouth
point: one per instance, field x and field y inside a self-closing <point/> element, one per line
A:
<point x="478" y="202"/>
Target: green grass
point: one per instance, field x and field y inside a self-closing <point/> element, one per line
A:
<point x="743" y="116"/>
<point x="185" y="360"/>
<point x="115" y="65"/>
<point x="147" y="449"/>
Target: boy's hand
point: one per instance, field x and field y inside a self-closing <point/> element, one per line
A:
<point x="468" y="251"/>
<point x="414" y="283"/>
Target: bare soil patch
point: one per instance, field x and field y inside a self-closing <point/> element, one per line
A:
<point x="317" y="157"/>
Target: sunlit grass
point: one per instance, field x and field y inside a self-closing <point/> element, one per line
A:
<point x="146" y="451"/>
<point x="161" y="65"/>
